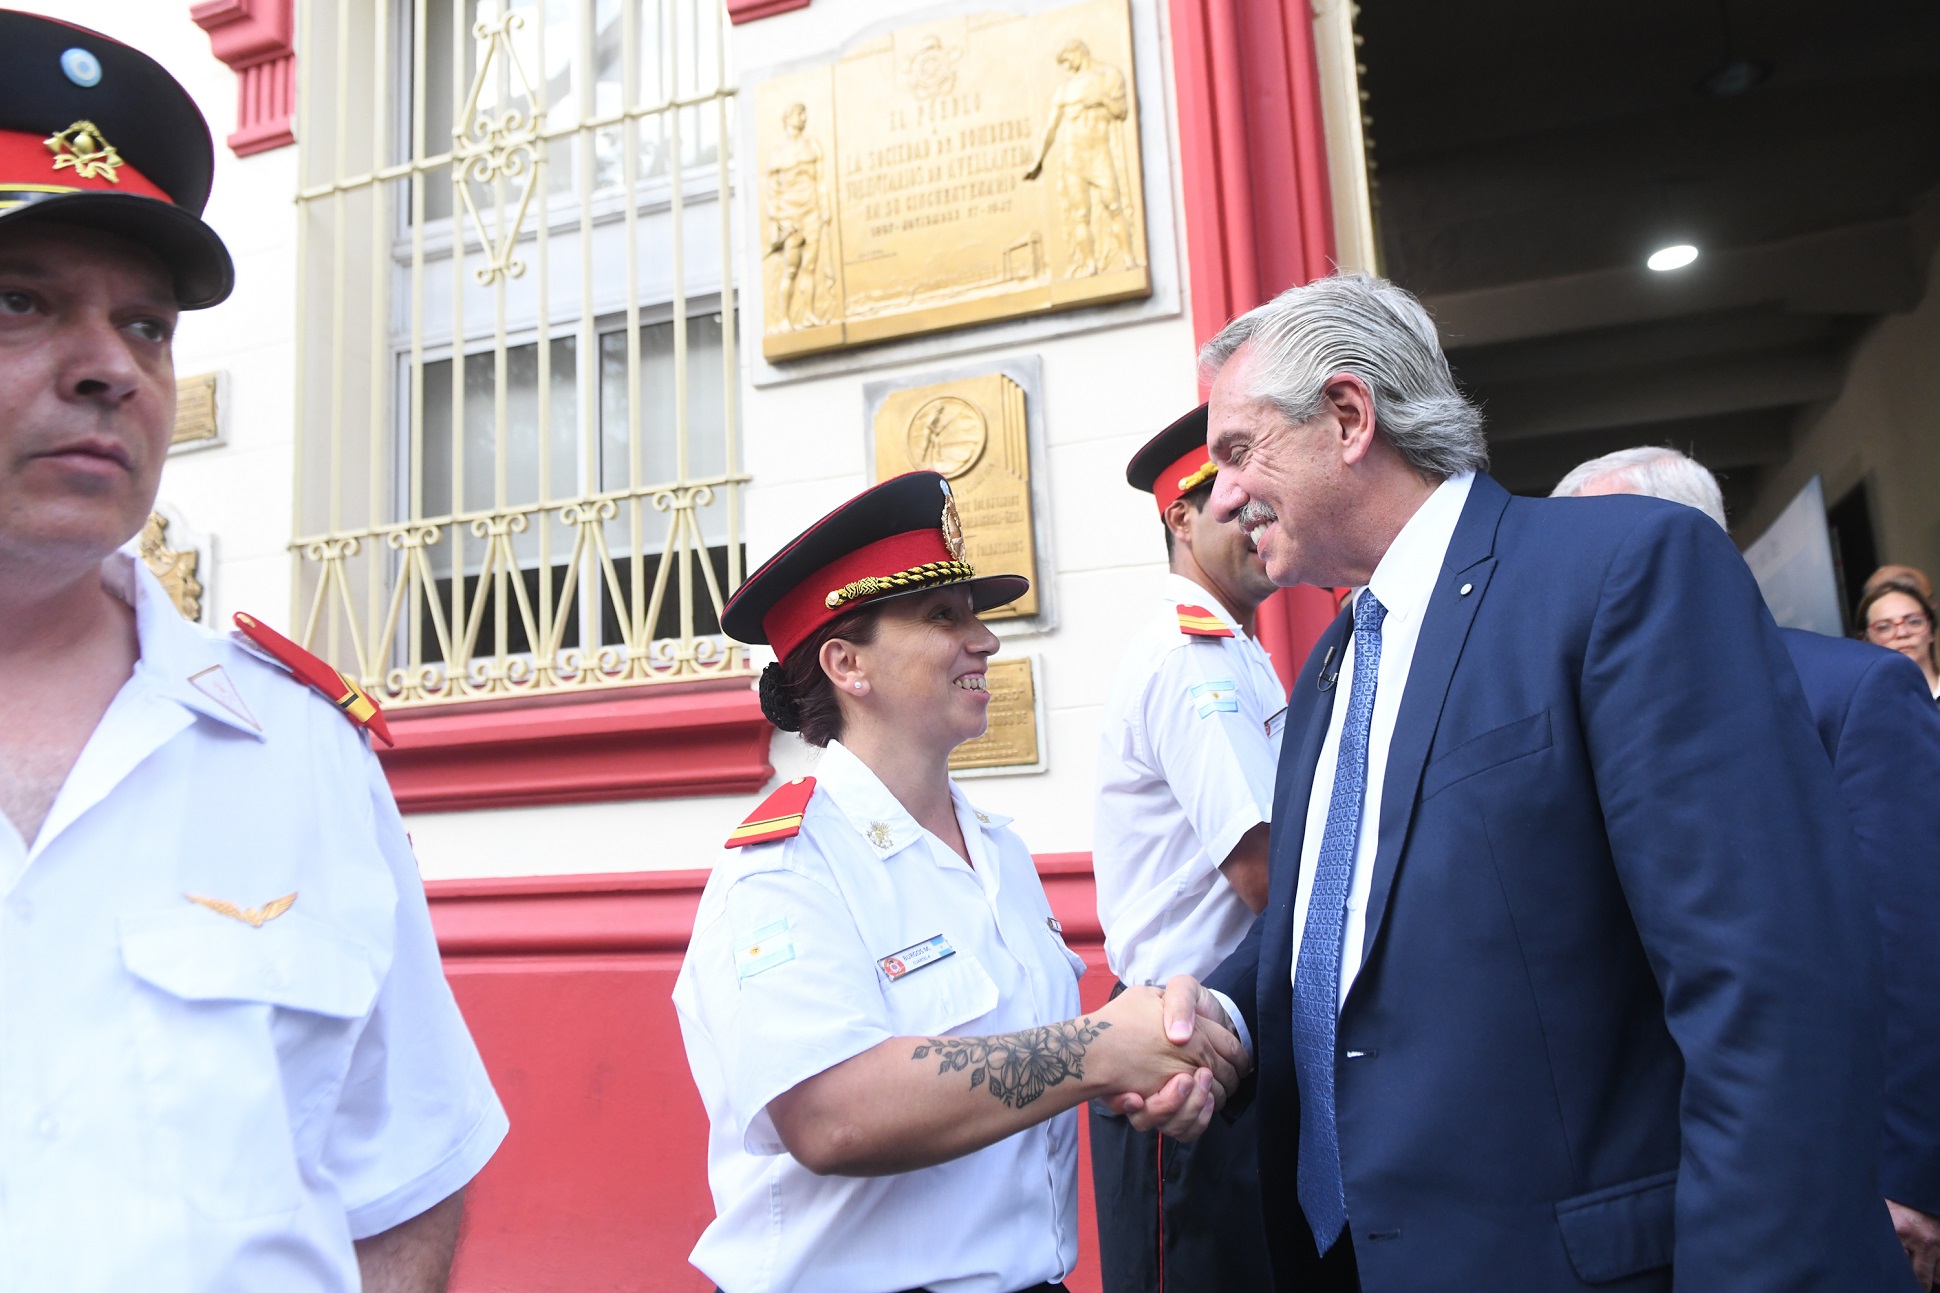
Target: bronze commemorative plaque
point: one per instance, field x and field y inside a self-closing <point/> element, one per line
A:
<point x="954" y="172"/>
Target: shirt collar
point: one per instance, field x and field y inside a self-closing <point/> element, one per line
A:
<point x="1407" y="572"/>
<point x="1179" y="590"/>
<point x="178" y="660"/>
<point x="877" y="815"/>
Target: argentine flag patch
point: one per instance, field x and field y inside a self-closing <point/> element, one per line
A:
<point x="1219" y="696"/>
<point x="770" y="946"/>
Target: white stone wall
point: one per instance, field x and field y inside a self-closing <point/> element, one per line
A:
<point x="1105" y="390"/>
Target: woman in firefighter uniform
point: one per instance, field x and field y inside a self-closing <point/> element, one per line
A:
<point x="877" y="1003"/>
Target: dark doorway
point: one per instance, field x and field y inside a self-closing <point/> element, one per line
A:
<point x="1855" y="552"/>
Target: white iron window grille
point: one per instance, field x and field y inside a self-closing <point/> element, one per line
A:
<point x="518" y="468"/>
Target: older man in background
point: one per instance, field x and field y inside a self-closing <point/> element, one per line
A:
<point x="1882" y="733"/>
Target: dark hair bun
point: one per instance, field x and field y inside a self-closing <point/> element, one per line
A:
<point x="778" y="700"/>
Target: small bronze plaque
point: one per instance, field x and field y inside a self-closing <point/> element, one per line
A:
<point x="1011" y="739"/>
<point x="973" y="432"/>
<point x="195" y="410"/>
<point x="951" y="173"/>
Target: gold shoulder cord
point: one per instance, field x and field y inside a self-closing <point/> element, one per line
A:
<point x="932" y="572"/>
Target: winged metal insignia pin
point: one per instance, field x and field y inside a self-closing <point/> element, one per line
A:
<point x="254" y="917"/>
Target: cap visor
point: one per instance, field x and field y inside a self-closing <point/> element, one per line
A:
<point x="194" y="254"/>
<point x="987" y="592"/>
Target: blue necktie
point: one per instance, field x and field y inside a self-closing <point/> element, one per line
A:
<point x="1316" y="979"/>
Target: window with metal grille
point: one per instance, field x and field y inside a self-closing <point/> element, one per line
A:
<point x="517" y="459"/>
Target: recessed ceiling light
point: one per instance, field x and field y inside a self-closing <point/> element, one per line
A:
<point x="1672" y="257"/>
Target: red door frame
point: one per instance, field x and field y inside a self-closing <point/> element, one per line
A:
<point x="1259" y="218"/>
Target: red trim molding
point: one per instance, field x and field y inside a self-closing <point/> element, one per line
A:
<point x="707" y="739"/>
<point x="653" y="911"/>
<point x="740" y="11"/>
<point x="254" y="38"/>
<point x="1253" y="165"/>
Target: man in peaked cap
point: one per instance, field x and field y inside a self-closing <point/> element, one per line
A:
<point x="1187" y="750"/>
<point x="228" y="1056"/>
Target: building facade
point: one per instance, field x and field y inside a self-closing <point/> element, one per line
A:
<point x="555" y="317"/>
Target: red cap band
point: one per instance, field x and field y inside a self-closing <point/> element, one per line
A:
<point x="1167" y="488"/>
<point x="81" y="162"/>
<point x="804" y="609"/>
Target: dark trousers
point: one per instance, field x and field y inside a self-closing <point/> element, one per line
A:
<point x="1215" y="1240"/>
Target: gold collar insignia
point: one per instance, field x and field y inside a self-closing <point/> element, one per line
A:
<point x="81" y="147"/>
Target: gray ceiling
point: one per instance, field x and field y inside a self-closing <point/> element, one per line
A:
<point x="1531" y="153"/>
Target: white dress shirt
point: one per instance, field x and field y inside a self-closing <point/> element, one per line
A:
<point x="1187" y="752"/>
<point x="784" y="978"/>
<point x="1402" y="582"/>
<point x="192" y="1100"/>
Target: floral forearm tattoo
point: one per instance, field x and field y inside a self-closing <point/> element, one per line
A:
<point x="1018" y="1067"/>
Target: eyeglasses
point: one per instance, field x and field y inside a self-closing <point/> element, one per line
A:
<point x="1880" y="630"/>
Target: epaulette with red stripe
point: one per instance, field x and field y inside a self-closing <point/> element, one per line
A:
<point x="1197" y="621"/>
<point x="778" y="817"/>
<point x="354" y="702"/>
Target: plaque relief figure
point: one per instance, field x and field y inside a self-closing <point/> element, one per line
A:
<point x="796" y="209"/>
<point x="946" y="436"/>
<point x="1087" y="121"/>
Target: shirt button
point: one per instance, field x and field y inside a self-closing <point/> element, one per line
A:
<point x="48" y="1126"/>
<point x="277" y="977"/>
<point x="23" y="911"/>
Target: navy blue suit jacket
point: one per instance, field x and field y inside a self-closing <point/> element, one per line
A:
<point x="1618" y="1007"/>
<point x="1882" y="729"/>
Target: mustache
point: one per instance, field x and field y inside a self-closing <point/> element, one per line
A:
<point x="1256" y="514"/>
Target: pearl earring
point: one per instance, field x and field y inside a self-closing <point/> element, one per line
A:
<point x="858" y="686"/>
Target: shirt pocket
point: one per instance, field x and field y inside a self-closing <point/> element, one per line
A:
<point x="245" y="1036"/>
<point x="941" y="996"/>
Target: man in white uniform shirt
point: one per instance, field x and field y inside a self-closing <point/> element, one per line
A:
<point x="228" y="1057"/>
<point x="1186" y="758"/>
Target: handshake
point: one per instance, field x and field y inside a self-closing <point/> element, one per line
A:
<point x="1172" y="1057"/>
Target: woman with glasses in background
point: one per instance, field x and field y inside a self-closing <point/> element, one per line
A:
<point x="1894" y="613"/>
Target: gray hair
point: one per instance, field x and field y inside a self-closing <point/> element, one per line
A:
<point x="1373" y="330"/>
<point x="1655" y="471"/>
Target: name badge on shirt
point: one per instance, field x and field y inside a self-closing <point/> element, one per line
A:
<point x="1277" y="722"/>
<point x="915" y="957"/>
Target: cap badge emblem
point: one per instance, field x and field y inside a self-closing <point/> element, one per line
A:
<point x="952" y="525"/>
<point x="81" y="147"/>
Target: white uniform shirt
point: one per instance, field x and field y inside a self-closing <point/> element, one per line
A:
<point x="1403" y="581"/>
<point x="188" y="1102"/>
<point x="1187" y="754"/>
<point x="783" y="981"/>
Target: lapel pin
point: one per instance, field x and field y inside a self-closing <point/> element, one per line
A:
<point x="1467" y="589"/>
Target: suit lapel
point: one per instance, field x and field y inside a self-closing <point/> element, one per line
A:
<point x="1310" y="705"/>
<point x="1444" y="631"/>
